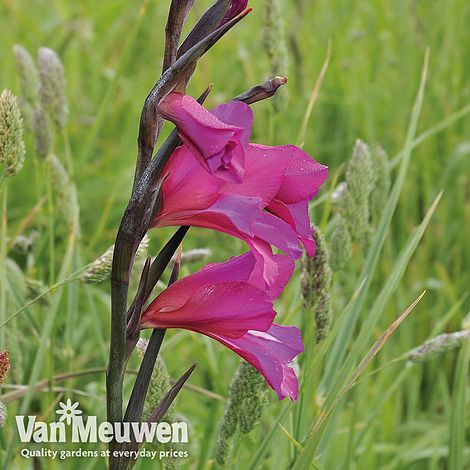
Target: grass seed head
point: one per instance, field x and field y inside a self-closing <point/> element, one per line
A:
<point x="276" y="48"/>
<point x="12" y="149"/>
<point x="340" y="244"/>
<point x="248" y="397"/>
<point x="4" y="365"/>
<point x="316" y="280"/>
<point x="52" y="88"/>
<point x="42" y="132"/>
<point x="437" y="346"/>
<point x="28" y="75"/>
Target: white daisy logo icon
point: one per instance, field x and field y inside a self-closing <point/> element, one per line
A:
<point x="69" y="411"/>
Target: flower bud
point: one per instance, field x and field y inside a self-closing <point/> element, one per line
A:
<point x="437" y="346"/>
<point x="262" y="91"/>
<point x="52" y="89"/>
<point x="12" y="147"/>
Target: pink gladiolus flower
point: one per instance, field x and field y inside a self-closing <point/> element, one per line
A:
<point x="269" y="207"/>
<point x="215" y="142"/>
<point x="231" y="303"/>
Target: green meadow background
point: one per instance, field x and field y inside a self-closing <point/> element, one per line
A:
<point x="398" y="415"/>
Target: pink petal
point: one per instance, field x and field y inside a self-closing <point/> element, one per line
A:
<point x="265" y="168"/>
<point x="187" y="185"/>
<point x="241" y="217"/>
<point x="214" y="143"/>
<point x="297" y="216"/>
<point x="236" y="114"/>
<point x="228" y="308"/>
<point x="270" y="352"/>
<point x="303" y="177"/>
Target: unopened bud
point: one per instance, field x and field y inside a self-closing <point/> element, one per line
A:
<point x="12" y="147"/>
<point x="263" y="91"/>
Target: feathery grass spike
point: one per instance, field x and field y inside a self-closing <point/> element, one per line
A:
<point x="12" y="149"/>
<point x="27" y="74"/>
<point x="52" y="89"/>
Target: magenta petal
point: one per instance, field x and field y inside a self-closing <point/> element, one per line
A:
<point x="243" y="268"/>
<point x="270" y="352"/>
<point x="277" y="232"/>
<point x="215" y="144"/>
<point x="236" y="114"/>
<point x="187" y="186"/>
<point x="228" y="308"/>
<point x="303" y="177"/>
<point x="297" y="216"/>
<point x="265" y="169"/>
<point x="241" y="217"/>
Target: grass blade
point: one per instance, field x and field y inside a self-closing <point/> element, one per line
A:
<point x="459" y="411"/>
<point x="342" y="341"/>
<point x="318" y="428"/>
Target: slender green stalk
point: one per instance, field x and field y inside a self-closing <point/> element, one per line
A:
<point x="3" y="256"/>
<point x="105" y="105"/>
<point x="459" y="411"/>
<point x="51" y="221"/>
<point x="339" y="349"/>
<point x="318" y="428"/>
<point x="46" y="334"/>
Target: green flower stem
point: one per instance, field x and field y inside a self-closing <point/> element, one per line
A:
<point x="3" y="255"/>
<point x="51" y="221"/>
